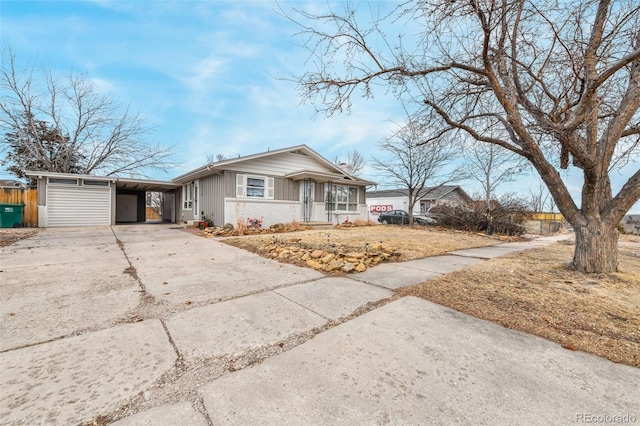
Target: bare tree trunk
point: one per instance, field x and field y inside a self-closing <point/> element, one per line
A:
<point x="596" y="247"/>
<point x="572" y="95"/>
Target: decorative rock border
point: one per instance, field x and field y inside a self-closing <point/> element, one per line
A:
<point x="331" y="259"/>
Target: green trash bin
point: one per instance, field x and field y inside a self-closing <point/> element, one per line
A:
<point x="11" y="215"/>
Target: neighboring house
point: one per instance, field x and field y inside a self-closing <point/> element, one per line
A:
<point x="11" y="183"/>
<point x="631" y="224"/>
<point x="397" y="199"/>
<point x="277" y="186"/>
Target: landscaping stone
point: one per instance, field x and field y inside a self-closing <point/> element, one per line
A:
<point x="348" y="267"/>
<point x="317" y="254"/>
<point x="317" y="258"/>
<point x="361" y="267"/>
<point x="334" y="265"/>
<point x="328" y="258"/>
<point x="314" y="264"/>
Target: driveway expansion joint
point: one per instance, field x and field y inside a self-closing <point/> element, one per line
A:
<point x="466" y="256"/>
<point x="375" y="341"/>
<point x="299" y="304"/>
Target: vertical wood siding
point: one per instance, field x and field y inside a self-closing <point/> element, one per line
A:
<point x="28" y="197"/>
<point x="212" y="193"/>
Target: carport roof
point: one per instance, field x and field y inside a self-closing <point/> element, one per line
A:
<point x="123" y="183"/>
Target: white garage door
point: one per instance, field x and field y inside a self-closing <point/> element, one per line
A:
<point x="78" y="206"/>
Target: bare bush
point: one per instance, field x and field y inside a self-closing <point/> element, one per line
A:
<point x="506" y="218"/>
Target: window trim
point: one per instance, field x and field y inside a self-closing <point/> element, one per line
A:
<point x="187" y="196"/>
<point x="89" y="182"/>
<point x="258" y="188"/>
<point x="341" y="196"/>
<point x="242" y="187"/>
<point x="62" y="181"/>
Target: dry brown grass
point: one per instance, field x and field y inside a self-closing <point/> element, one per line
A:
<point x="534" y="292"/>
<point x="9" y="236"/>
<point x="413" y="243"/>
<point x="531" y="291"/>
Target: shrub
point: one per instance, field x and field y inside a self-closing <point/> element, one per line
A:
<point x="507" y="217"/>
<point x="241" y="228"/>
<point x="294" y="225"/>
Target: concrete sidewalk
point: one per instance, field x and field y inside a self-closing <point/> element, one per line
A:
<point x="169" y="315"/>
<point x="405" y="274"/>
<point x="413" y="362"/>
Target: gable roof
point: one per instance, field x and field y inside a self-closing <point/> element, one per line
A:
<point x="334" y="173"/>
<point x="429" y="193"/>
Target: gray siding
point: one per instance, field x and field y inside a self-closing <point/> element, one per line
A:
<point x="182" y="215"/>
<point x="178" y="204"/>
<point x="279" y="165"/>
<point x="319" y="192"/>
<point x="42" y="191"/>
<point x="284" y="189"/>
<point x="287" y="189"/>
<point x="230" y="184"/>
<point x="212" y="194"/>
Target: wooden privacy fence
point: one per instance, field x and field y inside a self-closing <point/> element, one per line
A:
<point x="545" y="223"/>
<point x="28" y="197"/>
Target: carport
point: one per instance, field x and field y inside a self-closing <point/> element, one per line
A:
<point x="66" y="199"/>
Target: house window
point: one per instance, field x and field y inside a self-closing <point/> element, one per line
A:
<point x="254" y="187"/>
<point x="95" y="183"/>
<point x="341" y="198"/>
<point x="425" y="206"/>
<point x="62" y="181"/>
<point x="187" y="196"/>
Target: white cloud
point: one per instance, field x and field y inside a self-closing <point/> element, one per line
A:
<point x="206" y="73"/>
<point x="200" y="76"/>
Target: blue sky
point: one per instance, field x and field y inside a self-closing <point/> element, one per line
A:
<point x="206" y="75"/>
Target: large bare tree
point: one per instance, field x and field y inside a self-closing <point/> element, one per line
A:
<point x="562" y="81"/>
<point x="410" y="163"/>
<point x="66" y="125"/>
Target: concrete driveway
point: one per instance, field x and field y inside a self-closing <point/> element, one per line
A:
<point x="148" y="324"/>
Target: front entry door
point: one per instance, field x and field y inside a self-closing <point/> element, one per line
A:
<point x="307" y="199"/>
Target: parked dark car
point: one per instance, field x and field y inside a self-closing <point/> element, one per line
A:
<point x="401" y="217"/>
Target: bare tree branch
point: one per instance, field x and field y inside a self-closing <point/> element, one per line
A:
<point x="491" y="166"/>
<point x="561" y="83"/>
<point x="66" y="125"/>
<point x="411" y="164"/>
